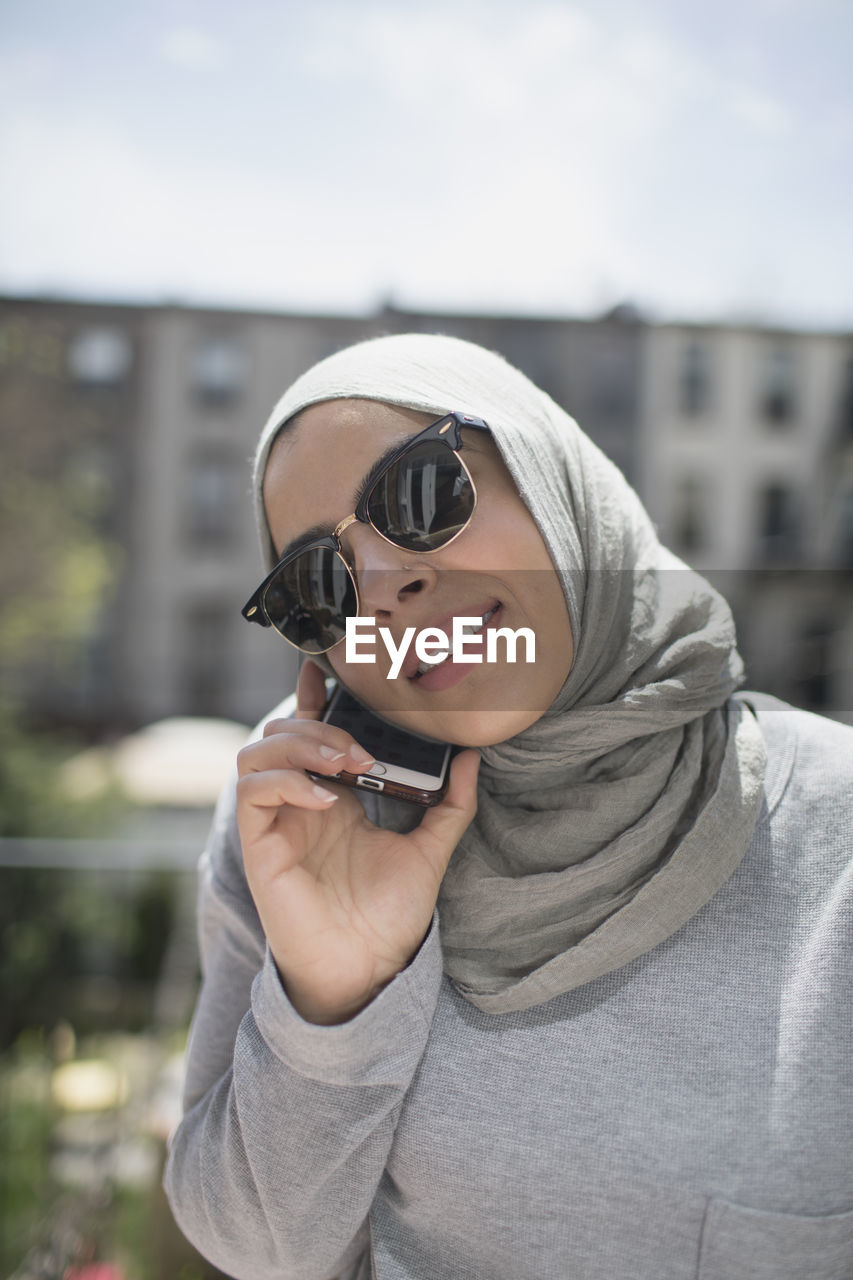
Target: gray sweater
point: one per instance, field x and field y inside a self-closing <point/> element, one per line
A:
<point x="687" y="1117"/>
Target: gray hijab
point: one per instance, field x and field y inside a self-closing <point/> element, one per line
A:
<point x="612" y="820"/>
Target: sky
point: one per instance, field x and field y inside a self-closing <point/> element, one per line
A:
<point x="528" y="157"/>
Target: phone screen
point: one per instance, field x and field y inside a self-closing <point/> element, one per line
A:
<point x="384" y="740"/>
<point x="407" y="767"/>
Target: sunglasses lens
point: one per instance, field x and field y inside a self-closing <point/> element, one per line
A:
<point x="424" y="500"/>
<point x="310" y="600"/>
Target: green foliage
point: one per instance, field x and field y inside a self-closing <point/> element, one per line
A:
<point x="60" y="510"/>
<point x="57" y="580"/>
<point x="32" y="800"/>
<point x="26" y="1120"/>
<point x="49" y="1221"/>
<point x="131" y="1232"/>
<point x="54" y="926"/>
<point x="85" y="946"/>
<point x="78" y="949"/>
<point x="49" y="1224"/>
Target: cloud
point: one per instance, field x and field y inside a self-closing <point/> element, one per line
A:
<point x="488" y="156"/>
<point x="98" y="213"/>
<point x="763" y="114"/>
<point x="192" y="49"/>
<point x="490" y="61"/>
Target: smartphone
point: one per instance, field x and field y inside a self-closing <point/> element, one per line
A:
<point x="406" y="766"/>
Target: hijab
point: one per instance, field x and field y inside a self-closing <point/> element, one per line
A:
<point x="611" y="821"/>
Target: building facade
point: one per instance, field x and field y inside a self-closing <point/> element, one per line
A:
<point x="746" y="465"/>
<point x="740" y="442"/>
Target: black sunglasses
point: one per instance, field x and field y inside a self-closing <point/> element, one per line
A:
<point x="421" y="500"/>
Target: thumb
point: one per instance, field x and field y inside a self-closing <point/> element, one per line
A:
<point x="310" y="692"/>
<point x="443" y="826"/>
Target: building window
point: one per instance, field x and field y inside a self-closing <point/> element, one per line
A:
<point x="812" y="666"/>
<point x="779" y="385"/>
<point x="612" y="383"/>
<point x="212" y="498"/>
<point x="845" y="540"/>
<point x="779" y="533"/>
<point x="846" y="406"/>
<point x="100" y="357"/>
<point x="207" y="641"/>
<point x="694" y="385"/>
<point x="691" y="523"/>
<point x="218" y="371"/>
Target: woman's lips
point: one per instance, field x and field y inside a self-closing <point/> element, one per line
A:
<point x="444" y="622"/>
<point x="448" y="673"/>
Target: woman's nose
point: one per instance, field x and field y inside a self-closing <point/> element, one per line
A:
<point x="387" y="576"/>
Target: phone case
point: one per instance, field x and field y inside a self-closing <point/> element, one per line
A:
<point x="363" y="782"/>
<point x="374" y="733"/>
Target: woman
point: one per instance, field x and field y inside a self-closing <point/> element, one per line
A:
<point x="589" y="1017"/>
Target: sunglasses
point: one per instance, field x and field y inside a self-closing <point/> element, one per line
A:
<point x="421" y="499"/>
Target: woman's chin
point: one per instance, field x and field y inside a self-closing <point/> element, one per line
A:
<point x="468" y="727"/>
<point x="473" y="713"/>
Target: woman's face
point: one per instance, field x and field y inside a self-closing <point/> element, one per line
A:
<point x="498" y="565"/>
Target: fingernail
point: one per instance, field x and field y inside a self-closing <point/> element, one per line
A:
<point x="322" y="794"/>
<point x="360" y="756"/>
<point x="329" y="753"/>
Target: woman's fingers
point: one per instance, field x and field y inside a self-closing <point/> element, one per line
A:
<point x="272" y="777"/>
<point x="277" y="787"/>
<point x="272" y="772"/>
<point x="292" y="751"/>
<point x="263" y="795"/>
<point x="444" y="825"/>
<point x="266" y="791"/>
<point x="303" y="744"/>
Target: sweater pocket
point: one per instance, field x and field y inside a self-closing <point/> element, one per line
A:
<point x="749" y="1244"/>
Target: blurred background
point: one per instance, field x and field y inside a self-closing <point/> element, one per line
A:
<point x="646" y="208"/>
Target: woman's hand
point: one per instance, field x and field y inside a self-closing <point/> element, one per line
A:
<point x="344" y="904"/>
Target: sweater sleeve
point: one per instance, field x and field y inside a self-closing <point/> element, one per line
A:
<point x="287" y="1125"/>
